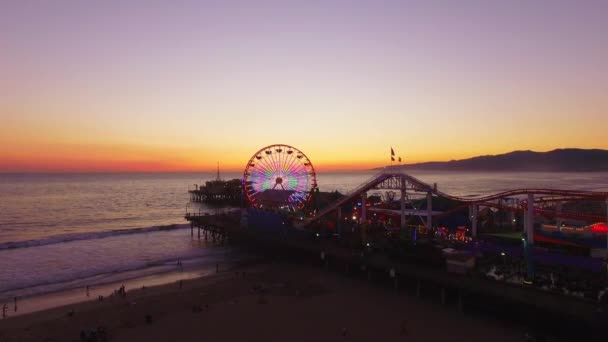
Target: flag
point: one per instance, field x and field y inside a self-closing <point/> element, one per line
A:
<point x="392" y="152"/>
<point x="400" y="159"/>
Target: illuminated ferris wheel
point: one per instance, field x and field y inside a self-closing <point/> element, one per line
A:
<point x="279" y="175"/>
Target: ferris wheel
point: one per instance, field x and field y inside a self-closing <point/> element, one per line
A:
<point x="279" y="175"/>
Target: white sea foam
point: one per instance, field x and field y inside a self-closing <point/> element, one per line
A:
<point x="86" y="236"/>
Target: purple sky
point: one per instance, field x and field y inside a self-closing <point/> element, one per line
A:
<point x="340" y="79"/>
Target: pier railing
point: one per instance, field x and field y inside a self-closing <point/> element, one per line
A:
<point x="218" y="212"/>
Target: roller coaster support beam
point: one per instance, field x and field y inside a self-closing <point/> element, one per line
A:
<point x="529" y="224"/>
<point x="473" y="208"/>
<point x="512" y="213"/>
<point x="363" y="207"/>
<point x="429" y="211"/>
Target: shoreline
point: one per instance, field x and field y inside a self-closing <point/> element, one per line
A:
<point x="260" y="301"/>
<point x="64" y="265"/>
<point x="77" y="295"/>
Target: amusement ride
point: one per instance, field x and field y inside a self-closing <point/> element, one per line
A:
<point x="279" y="175"/>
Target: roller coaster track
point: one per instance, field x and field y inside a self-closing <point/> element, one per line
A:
<point x="412" y="183"/>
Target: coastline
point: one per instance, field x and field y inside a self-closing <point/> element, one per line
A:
<point x="104" y="257"/>
<point x="77" y="295"/>
<point x="263" y="301"/>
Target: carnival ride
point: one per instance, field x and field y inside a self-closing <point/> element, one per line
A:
<point x="387" y="179"/>
<point x="280" y="176"/>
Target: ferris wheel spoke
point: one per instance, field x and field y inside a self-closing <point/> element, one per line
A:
<point x="277" y="168"/>
<point x="270" y="164"/>
<point x="264" y="173"/>
<point x="267" y="166"/>
<point x="288" y="161"/>
<point x="271" y="161"/>
<point x="294" y="188"/>
<point x="263" y="162"/>
<point x="293" y="164"/>
<point x="257" y="177"/>
<point x="267" y="180"/>
<point x="280" y="159"/>
<point x="301" y="178"/>
<point x="293" y="170"/>
<point x="295" y="161"/>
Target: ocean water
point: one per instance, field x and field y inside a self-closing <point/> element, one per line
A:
<point x="67" y="230"/>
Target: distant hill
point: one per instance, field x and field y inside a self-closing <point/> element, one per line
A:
<point x="560" y="160"/>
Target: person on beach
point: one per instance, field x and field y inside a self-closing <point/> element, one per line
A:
<point x="87" y="290"/>
<point x="4" y="308"/>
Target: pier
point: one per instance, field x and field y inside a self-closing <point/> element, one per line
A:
<point x="401" y="241"/>
<point x="215" y="228"/>
<point x="217" y="191"/>
<point x="417" y="276"/>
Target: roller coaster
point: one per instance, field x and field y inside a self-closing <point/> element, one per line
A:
<point x="511" y="200"/>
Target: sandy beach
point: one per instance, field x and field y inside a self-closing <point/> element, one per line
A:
<point x="269" y="302"/>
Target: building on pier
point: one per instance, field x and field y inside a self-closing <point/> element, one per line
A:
<point x="218" y="191"/>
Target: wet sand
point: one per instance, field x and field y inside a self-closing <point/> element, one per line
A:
<point x="270" y="302"/>
<point x="51" y="300"/>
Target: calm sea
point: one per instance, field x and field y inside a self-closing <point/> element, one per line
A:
<point x="66" y="230"/>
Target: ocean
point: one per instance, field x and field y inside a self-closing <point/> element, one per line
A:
<point x="60" y="231"/>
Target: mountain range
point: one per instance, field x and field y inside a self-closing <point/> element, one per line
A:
<point x="559" y="160"/>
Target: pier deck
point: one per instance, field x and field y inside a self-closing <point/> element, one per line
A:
<point x="515" y="298"/>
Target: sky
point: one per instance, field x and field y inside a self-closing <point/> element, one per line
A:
<point x="180" y="85"/>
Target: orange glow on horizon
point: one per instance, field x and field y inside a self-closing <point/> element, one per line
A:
<point x="179" y="88"/>
<point x="134" y="158"/>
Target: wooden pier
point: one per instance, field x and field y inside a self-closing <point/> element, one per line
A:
<point x="525" y="303"/>
<point x="212" y="227"/>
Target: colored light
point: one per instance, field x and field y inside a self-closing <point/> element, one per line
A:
<point x="599" y="228"/>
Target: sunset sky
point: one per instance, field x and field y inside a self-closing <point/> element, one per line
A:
<point x="180" y="85"/>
